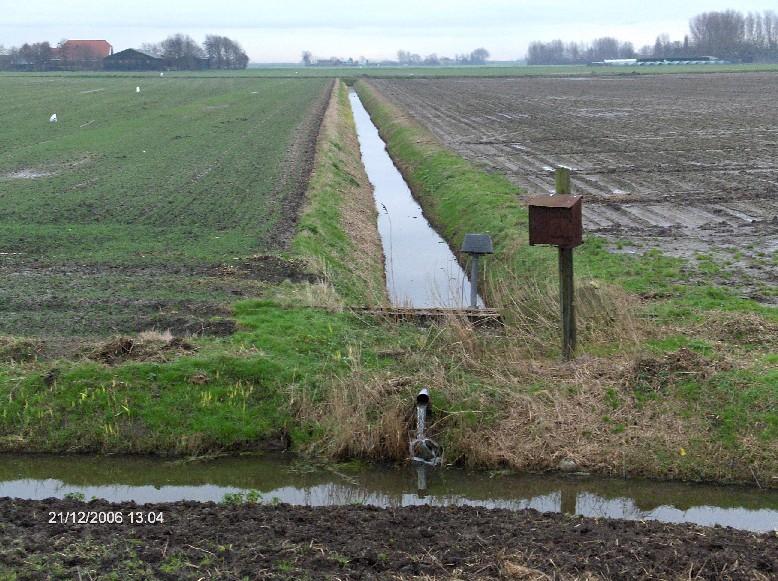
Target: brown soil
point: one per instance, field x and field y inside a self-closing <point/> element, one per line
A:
<point x="91" y="300"/>
<point x="267" y="268"/>
<point x="208" y="541"/>
<point x="684" y="163"/>
<point x="656" y="373"/>
<point x="145" y="347"/>
<point x="296" y="172"/>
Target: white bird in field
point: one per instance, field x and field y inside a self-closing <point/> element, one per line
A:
<point x="137" y="89"/>
<point x="161" y="74"/>
<point x="53" y="118"/>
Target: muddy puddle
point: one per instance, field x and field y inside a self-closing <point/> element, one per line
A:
<point x="286" y="479"/>
<point x="421" y="270"/>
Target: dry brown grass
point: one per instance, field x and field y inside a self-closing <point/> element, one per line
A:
<point x="656" y="373"/>
<point x="320" y="295"/>
<point x="605" y="314"/>
<point x="567" y="420"/>
<point x="510" y="569"/>
<point x="585" y="410"/>
<point x="19" y="349"/>
<point x="502" y="403"/>
<point x="738" y="328"/>
<point x="364" y="416"/>
<point x="146" y="346"/>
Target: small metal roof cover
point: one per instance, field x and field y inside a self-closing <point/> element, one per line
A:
<point x="477" y="244"/>
<point x="554" y="201"/>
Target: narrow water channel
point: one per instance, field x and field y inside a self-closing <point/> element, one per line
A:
<point x="421" y="270"/>
<point x="284" y="478"/>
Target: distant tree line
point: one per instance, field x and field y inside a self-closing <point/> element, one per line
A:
<point x="728" y="35"/>
<point x="557" y="52"/>
<point x="36" y="56"/>
<point x="404" y="58"/>
<point x="219" y="52"/>
<point x="178" y="51"/>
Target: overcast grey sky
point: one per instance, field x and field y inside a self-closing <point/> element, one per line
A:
<point x="278" y="31"/>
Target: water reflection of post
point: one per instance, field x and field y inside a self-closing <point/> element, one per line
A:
<point x="421" y="480"/>
<point x="569" y="502"/>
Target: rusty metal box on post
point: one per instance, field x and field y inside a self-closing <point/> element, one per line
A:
<point x="556" y="220"/>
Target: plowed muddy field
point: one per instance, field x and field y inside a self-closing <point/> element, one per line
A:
<point x="684" y="163"/>
<point x="39" y="540"/>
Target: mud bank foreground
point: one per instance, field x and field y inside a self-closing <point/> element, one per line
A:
<point x="248" y="541"/>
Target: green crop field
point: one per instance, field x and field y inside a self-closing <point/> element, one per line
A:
<point x="138" y="208"/>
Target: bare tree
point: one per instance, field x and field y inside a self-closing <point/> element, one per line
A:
<point x="152" y="48"/>
<point x="718" y="33"/>
<point x="627" y="51"/>
<point x="182" y="51"/>
<point x="604" y="48"/>
<point x="224" y="53"/>
<point x="216" y="50"/>
<point x="307" y="58"/>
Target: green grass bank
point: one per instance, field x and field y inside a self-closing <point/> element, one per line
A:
<point x="698" y="347"/>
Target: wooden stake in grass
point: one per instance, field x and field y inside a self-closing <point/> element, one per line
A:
<point x="567" y="300"/>
<point x="557" y="220"/>
<point x="566" y="288"/>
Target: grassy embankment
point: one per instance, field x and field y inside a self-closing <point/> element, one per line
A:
<point x="164" y="395"/>
<point x="341" y="386"/>
<point x="687" y="373"/>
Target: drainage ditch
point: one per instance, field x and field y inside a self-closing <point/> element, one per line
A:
<point x="288" y="479"/>
<point x="421" y="270"/>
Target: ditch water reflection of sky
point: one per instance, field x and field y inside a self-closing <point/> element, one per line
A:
<point x="281" y="479"/>
<point x="421" y="270"/>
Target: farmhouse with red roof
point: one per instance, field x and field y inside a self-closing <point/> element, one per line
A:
<point x="85" y="49"/>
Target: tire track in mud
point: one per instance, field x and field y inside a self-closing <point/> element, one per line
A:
<point x="684" y="163"/>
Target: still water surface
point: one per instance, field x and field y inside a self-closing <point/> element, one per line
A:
<point x="284" y="478"/>
<point x="421" y="270"/>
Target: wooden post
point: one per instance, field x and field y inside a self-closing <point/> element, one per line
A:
<point x="563" y="180"/>
<point x="566" y="297"/>
<point x="566" y="290"/>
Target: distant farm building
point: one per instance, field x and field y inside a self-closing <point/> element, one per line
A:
<point x="648" y="62"/>
<point x="82" y="54"/>
<point x="85" y="49"/>
<point x="685" y="60"/>
<point x="133" y="60"/>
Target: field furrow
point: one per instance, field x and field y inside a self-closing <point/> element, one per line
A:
<point x="686" y="164"/>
